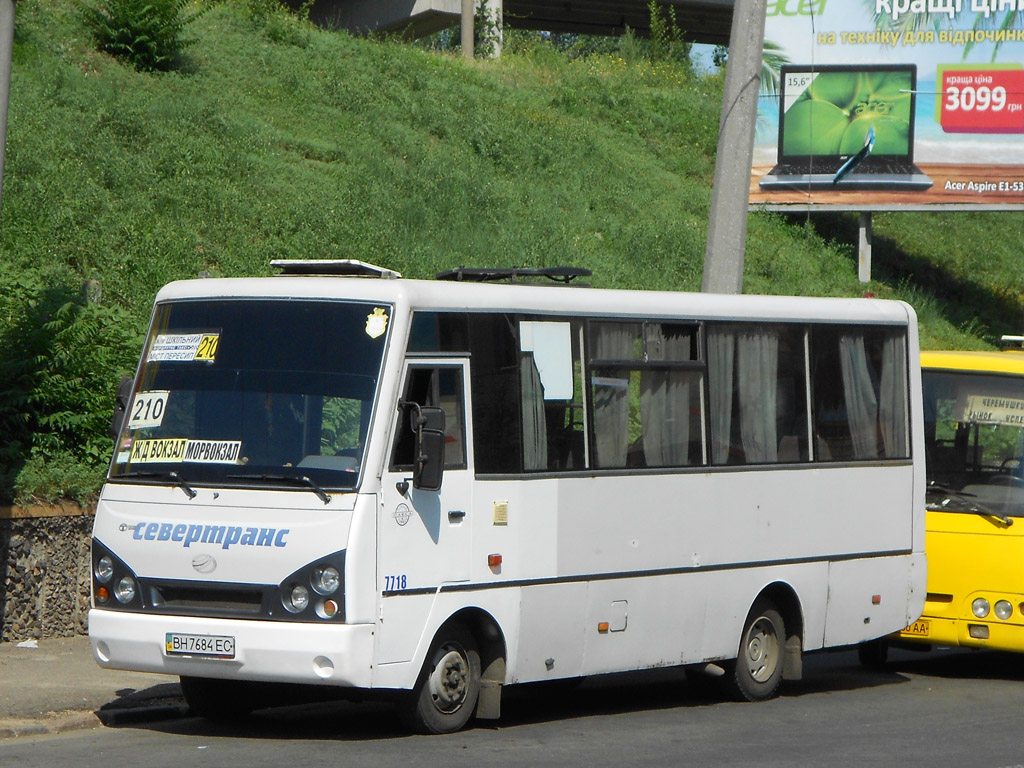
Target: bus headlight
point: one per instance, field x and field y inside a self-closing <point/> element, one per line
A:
<point x="326" y="580"/>
<point x="980" y="607"/>
<point x="125" y="590"/>
<point x="104" y="571"/>
<point x="1003" y="609"/>
<point x="297" y="600"/>
<point x="315" y="592"/>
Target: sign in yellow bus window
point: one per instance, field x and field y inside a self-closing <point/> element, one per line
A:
<point x="987" y="409"/>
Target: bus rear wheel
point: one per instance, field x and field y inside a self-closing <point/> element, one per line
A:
<point x="757" y="671"/>
<point x="449" y="685"/>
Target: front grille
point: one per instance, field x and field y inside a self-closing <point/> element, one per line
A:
<point x="199" y="600"/>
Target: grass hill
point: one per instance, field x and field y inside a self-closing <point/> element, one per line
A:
<point x="276" y="139"/>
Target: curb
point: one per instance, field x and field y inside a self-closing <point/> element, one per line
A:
<point x="61" y="722"/>
<point x="113" y="718"/>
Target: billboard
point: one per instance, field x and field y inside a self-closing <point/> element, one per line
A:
<point x="891" y="104"/>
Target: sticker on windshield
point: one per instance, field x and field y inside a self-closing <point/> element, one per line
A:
<point x="376" y="322"/>
<point x="180" y="449"/>
<point x="987" y="409"/>
<point x="167" y="450"/>
<point x="184" y="347"/>
<point x="148" y="409"/>
<point x="213" y="451"/>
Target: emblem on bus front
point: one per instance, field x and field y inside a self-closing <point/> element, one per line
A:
<point x="376" y="323"/>
<point x="402" y="514"/>
<point x="204" y="563"/>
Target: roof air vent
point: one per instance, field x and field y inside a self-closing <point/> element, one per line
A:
<point x="332" y="267"/>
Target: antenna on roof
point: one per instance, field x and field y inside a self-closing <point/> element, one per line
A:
<point x="333" y="268"/>
<point x="563" y="275"/>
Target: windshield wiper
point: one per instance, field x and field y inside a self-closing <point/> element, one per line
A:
<point x="291" y="479"/>
<point x="967" y="501"/>
<point x="174" y="477"/>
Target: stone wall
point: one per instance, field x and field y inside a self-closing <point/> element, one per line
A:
<point x="44" y="572"/>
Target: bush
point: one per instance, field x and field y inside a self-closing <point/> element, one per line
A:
<point x="61" y="358"/>
<point x="148" y="34"/>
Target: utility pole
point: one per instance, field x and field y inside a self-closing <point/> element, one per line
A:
<point x="467" y="29"/>
<point x="6" y="47"/>
<point x="727" y="225"/>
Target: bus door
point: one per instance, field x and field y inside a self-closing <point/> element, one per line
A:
<point x="424" y="535"/>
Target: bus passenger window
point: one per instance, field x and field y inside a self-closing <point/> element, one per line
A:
<point x="860" y="393"/>
<point x="758" y="394"/>
<point x="645" y="386"/>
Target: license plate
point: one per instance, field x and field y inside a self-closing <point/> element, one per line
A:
<point x="215" y="646"/>
<point x="917" y="629"/>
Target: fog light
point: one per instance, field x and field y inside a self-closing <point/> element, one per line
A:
<point x="104" y="570"/>
<point x="326" y="580"/>
<point x="1003" y="609"/>
<point x="980" y="607"/>
<point x="125" y="590"/>
<point x="298" y="600"/>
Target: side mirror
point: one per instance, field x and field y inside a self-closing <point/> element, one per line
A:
<point x="121" y="403"/>
<point x="427" y="423"/>
<point x="429" y="461"/>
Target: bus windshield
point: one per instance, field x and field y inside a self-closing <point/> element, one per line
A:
<point x="974" y="425"/>
<point x="241" y="392"/>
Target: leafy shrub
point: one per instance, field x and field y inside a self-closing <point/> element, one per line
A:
<point x="61" y="358"/>
<point x="148" y="34"/>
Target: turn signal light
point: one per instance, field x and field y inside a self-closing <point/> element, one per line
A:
<point x="494" y="560"/>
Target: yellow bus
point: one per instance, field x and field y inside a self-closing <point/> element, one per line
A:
<point x="974" y="534"/>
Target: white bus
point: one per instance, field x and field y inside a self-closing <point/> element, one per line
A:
<point x="339" y="477"/>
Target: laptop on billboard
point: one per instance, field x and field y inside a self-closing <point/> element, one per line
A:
<point x="847" y="127"/>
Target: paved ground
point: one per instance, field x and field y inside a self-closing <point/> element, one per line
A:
<point x="57" y="686"/>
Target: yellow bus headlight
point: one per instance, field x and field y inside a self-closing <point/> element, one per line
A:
<point x="980" y="607"/>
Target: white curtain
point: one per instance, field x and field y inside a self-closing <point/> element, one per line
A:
<point x="721" y="346"/>
<point x="665" y="402"/>
<point x="758" y="380"/>
<point x="859" y="395"/>
<point x="535" y="431"/>
<point x="611" y="394"/>
<point x="892" y="412"/>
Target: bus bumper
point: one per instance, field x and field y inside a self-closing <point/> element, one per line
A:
<point x="337" y="655"/>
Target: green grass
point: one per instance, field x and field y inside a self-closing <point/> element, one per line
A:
<point x="279" y="140"/>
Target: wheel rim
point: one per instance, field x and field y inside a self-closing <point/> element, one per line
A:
<point x="762" y="649"/>
<point x="449" y="681"/>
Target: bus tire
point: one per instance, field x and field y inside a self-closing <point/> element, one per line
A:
<point x="757" y="671"/>
<point x="446" y="693"/>
<point x="222" y="700"/>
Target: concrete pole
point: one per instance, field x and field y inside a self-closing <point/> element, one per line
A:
<point x="6" y="46"/>
<point x="727" y="226"/>
<point x="467" y="29"/>
<point x="495" y="9"/>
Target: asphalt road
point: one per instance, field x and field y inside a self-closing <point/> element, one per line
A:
<point x="940" y="709"/>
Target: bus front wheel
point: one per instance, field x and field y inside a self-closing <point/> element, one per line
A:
<point x="757" y="671"/>
<point x="449" y="685"/>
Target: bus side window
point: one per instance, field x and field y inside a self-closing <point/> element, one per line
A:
<point x="433" y="386"/>
<point x="758" y="394"/>
<point x="645" y="387"/>
<point x="860" y="392"/>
